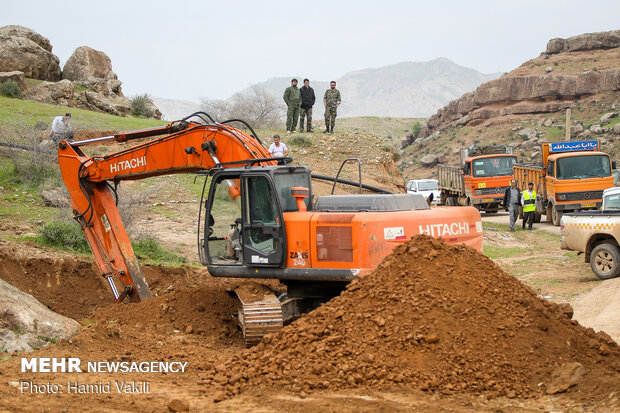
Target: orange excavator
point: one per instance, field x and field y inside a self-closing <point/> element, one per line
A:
<point x="257" y="220"/>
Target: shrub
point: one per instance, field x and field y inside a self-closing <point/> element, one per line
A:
<point x="40" y="125"/>
<point x="151" y="249"/>
<point x="415" y="129"/>
<point x="11" y="89"/>
<point x="299" y="140"/>
<point x="64" y="234"/>
<point x="33" y="167"/>
<point x="142" y="106"/>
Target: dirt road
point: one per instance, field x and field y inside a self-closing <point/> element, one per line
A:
<point x="503" y="218"/>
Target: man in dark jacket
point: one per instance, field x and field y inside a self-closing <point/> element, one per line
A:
<point x="292" y="97"/>
<point x="307" y="101"/>
<point x="512" y="202"/>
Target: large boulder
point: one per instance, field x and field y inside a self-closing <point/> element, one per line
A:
<point x="21" y="31"/>
<point x="60" y="93"/>
<point x="429" y="161"/>
<point x="95" y="101"/>
<point x="86" y="63"/>
<point x="25" y="322"/>
<point x="25" y="55"/>
<point x="16" y="76"/>
<point x="102" y="86"/>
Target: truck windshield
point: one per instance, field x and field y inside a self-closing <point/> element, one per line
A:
<point x="427" y="186"/>
<point x="493" y="166"/>
<point x="577" y="167"/>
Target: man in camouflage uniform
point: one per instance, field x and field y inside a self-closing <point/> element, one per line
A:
<point x="292" y="97"/>
<point x="331" y="100"/>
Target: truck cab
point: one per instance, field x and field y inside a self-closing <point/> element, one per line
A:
<point x="487" y="178"/>
<point x="576" y="180"/>
<point x="572" y="177"/>
<point x="481" y="180"/>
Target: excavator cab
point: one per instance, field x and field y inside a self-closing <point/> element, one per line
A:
<point x="247" y="228"/>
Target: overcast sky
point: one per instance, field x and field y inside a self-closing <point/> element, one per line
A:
<point x="194" y="49"/>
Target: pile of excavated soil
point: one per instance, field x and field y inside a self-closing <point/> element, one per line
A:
<point x="73" y="286"/>
<point x="433" y="317"/>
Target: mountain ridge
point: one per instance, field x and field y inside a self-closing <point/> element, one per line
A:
<point x="404" y="89"/>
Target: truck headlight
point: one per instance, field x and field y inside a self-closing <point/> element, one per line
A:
<point x="561" y="197"/>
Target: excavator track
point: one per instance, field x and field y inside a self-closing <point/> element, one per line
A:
<point x="260" y="312"/>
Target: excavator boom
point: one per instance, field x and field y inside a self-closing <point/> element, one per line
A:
<point x="183" y="147"/>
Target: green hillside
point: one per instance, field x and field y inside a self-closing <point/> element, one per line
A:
<point x="25" y="113"/>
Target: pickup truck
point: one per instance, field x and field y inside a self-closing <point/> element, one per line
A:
<point x="596" y="235"/>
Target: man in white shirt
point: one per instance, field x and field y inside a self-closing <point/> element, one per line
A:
<point x="278" y="149"/>
<point x="61" y="128"/>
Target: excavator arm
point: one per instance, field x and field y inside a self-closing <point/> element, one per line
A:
<point x="180" y="147"/>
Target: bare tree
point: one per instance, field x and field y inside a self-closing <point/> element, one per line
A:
<point x="257" y="107"/>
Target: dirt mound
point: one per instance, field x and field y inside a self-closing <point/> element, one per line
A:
<point x="73" y="286"/>
<point x="432" y="317"/>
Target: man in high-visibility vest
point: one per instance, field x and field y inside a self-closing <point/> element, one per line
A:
<point x="528" y="200"/>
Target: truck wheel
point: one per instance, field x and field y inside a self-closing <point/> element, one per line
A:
<point x="537" y="217"/>
<point x="556" y="216"/>
<point x="491" y="211"/>
<point x="451" y="201"/>
<point x="548" y="216"/>
<point x="605" y="261"/>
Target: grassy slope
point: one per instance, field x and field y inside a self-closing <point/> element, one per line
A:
<point x="17" y="112"/>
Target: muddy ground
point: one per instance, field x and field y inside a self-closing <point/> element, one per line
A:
<point x="191" y="320"/>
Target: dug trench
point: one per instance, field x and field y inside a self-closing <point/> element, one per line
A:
<point x="434" y="327"/>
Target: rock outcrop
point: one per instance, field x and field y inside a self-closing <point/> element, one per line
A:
<point x="60" y="93"/>
<point x="26" y="51"/>
<point x="26" y="54"/>
<point x="21" y="31"/>
<point x="86" y="63"/>
<point x="16" y="76"/>
<point x="587" y="41"/>
<point x="510" y="95"/>
<point x="25" y="322"/>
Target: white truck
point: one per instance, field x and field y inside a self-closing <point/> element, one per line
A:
<point x="595" y="234"/>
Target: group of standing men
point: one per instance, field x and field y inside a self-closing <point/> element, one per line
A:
<point x="513" y="199"/>
<point x="300" y="102"/>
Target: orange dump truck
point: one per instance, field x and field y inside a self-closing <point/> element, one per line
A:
<point x="572" y="177"/>
<point x="480" y="180"/>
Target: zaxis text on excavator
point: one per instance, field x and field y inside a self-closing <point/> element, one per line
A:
<point x="258" y="219"/>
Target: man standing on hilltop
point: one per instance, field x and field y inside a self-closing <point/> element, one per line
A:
<point x="292" y="97"/>
<point x="307" y="101"/>
<point x="331" y="100"/>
